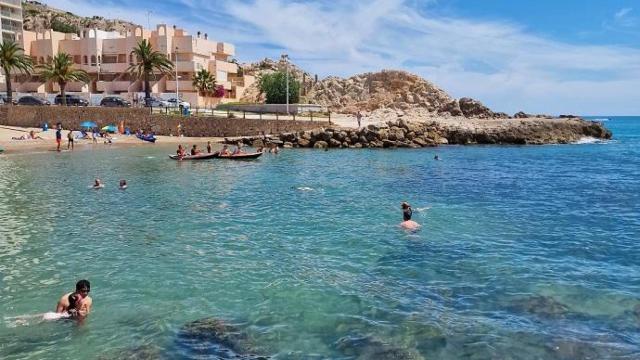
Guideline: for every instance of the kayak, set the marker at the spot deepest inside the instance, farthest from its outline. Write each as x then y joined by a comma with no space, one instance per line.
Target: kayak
194,157
149,138
239,156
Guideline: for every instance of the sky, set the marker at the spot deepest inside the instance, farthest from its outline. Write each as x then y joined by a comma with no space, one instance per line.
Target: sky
542,56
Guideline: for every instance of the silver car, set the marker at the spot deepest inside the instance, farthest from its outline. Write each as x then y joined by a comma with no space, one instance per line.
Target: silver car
157,102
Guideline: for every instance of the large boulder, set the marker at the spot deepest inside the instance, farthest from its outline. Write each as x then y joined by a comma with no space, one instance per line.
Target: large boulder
452,107
521,115
474,108
304,143
320,145
334,143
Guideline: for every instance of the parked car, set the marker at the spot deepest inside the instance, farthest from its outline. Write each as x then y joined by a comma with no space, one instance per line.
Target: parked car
33,100
173,102
72,100
3,100
114,101
157,102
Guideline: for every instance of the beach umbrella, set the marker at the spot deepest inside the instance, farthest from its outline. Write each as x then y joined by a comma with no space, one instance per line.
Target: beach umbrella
110,128
88,124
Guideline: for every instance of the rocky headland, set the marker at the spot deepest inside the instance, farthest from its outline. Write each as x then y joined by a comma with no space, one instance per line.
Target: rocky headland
401,109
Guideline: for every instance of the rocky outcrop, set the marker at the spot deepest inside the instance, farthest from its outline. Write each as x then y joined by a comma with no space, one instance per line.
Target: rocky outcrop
40,17
404,134
474,108
388,89
385,89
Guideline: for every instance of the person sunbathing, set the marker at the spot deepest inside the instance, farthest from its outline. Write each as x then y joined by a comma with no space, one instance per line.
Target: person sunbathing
31,136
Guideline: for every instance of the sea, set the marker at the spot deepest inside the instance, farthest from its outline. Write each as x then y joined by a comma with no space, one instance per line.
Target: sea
525,252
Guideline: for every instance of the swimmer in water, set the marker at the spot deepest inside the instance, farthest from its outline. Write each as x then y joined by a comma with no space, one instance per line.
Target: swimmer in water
77,303
123,184
436,157
97,184
407,212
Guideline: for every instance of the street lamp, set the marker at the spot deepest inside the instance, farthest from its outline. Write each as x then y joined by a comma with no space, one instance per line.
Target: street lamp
285,58
177,93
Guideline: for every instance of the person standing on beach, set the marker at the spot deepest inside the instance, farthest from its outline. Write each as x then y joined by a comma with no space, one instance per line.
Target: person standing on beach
80,297
208,147
70,140
359,118
58,135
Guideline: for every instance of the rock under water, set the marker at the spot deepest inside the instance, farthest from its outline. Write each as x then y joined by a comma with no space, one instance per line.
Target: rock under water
214,337
367,347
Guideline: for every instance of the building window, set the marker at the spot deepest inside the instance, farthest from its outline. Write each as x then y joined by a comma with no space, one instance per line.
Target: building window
93,60
131,59
76,59
86,61
122,58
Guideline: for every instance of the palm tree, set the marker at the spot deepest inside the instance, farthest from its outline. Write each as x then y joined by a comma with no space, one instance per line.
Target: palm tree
62,72
148,61
12,57
204,81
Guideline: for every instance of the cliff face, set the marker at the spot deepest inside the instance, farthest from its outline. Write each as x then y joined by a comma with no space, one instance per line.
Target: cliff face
39,17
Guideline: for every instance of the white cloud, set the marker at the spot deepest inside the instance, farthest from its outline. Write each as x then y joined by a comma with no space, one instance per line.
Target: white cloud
499,63
622,13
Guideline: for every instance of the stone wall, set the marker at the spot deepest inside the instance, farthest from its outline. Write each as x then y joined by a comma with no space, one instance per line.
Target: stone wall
140,118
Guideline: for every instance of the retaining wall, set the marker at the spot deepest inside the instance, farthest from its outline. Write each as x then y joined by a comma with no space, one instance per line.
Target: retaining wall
141,118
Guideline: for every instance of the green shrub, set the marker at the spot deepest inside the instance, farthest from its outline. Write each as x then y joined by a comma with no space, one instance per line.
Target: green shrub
274,86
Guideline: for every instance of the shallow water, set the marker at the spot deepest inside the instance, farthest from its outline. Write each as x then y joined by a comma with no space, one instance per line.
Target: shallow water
526,252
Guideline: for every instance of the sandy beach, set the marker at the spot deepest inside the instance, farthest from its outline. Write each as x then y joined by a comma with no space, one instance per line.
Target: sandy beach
48,141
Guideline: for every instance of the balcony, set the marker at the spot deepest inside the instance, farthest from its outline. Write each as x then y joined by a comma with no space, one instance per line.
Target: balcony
226,48
112,86
226,67
184,85
31,86
186,66
114,67
14,15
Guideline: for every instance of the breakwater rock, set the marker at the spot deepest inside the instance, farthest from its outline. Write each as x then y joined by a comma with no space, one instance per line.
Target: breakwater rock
404,134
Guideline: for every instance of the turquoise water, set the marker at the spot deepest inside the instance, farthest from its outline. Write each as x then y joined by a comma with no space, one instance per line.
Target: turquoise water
526,252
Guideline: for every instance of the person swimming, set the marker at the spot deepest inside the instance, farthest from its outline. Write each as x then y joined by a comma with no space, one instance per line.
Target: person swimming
436,157
97,184
123,184
407,212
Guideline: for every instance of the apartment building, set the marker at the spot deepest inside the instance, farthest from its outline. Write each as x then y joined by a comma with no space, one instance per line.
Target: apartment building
106,56
11,20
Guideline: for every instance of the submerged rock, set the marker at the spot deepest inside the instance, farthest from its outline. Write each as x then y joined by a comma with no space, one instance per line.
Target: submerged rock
545,306
143,352
366,347
211,336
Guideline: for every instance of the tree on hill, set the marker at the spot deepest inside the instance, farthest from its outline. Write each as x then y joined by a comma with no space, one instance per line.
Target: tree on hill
148,61
61,71
274,86
12,57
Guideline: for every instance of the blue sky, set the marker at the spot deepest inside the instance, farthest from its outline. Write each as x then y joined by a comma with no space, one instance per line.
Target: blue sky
543,56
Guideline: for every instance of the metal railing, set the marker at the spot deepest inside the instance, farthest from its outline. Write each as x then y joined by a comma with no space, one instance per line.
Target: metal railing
231,114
